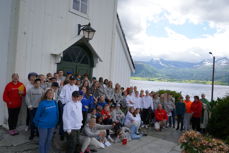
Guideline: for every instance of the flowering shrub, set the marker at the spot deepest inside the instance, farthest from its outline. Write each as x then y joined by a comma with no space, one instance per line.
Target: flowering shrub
194,142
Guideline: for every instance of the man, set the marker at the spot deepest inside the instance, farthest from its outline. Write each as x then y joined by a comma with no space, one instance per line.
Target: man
188,112
31,77
33,98
61,77
67,90
65,97
147,104
13,94
72,120
161,117
130,98
93,132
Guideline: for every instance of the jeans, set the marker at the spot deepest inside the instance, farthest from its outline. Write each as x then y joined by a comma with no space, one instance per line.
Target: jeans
133,130
45,137
13,117
32,125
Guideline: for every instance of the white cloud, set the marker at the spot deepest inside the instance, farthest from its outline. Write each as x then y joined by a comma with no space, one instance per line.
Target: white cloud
135,17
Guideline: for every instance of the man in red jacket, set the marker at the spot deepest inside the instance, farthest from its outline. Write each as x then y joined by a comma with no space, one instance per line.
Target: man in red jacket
13,93
196,109
161,117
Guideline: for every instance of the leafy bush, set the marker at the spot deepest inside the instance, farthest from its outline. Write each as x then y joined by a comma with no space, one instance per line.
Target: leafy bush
194,142
173,93
218,125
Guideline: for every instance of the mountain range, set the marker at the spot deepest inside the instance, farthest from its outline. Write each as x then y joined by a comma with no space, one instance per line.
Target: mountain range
177,70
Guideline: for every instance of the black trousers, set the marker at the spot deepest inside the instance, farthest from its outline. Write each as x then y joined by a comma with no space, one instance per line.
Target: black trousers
145,116
84,118
33,128
61,108
180,120
196,123
13,117
107,122
72,141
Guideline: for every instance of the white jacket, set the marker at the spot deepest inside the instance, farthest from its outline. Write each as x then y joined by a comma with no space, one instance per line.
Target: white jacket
72,116
66,93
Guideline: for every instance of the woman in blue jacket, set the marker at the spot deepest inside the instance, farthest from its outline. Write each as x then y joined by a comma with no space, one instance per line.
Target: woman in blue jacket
46,119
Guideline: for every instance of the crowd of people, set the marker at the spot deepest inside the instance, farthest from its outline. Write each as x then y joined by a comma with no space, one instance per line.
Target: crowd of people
93,112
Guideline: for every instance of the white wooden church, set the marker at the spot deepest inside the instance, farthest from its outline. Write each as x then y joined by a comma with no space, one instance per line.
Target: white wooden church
45,35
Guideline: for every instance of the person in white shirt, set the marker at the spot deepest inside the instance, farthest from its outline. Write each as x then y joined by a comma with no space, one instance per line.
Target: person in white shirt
130,99
67,90
147,104
72,119
64,98
137,100
131,123
137,118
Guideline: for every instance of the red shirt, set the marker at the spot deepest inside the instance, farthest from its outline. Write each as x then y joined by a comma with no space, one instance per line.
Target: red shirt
105,114
11,96
196,109
161,115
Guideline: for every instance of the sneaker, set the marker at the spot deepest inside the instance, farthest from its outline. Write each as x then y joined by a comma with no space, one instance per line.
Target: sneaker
15,132
88,149
107,144
102,145
11,132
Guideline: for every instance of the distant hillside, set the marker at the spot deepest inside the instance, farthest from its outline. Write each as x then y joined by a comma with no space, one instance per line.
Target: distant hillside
164,69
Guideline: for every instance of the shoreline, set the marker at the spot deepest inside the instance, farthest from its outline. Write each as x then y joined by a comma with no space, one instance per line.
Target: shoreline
179,81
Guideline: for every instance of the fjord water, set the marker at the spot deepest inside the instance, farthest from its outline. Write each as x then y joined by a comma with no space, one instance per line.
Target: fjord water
185,88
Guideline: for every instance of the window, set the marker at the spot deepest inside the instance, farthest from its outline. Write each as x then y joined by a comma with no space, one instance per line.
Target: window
76,54
80,5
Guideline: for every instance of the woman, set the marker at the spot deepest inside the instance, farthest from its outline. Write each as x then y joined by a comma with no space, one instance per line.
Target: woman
13,94
109,93
107,119
46,119
196,109
156,100
86,103
169,108
117,94
137,118
130,123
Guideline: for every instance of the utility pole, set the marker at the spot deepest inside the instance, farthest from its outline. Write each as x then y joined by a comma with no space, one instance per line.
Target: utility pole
213,76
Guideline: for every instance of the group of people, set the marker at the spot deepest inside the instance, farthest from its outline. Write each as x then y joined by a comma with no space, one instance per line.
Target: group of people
93,112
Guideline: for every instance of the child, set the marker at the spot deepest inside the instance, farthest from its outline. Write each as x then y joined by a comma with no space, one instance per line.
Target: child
72,119
33,98
46,119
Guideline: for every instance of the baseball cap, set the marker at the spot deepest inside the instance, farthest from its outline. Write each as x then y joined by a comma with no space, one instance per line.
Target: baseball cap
72,78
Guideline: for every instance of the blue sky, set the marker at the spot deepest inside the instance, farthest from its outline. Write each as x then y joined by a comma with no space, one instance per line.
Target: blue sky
190,30
181,30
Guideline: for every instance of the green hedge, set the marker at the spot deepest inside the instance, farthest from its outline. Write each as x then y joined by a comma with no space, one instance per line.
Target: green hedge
218,125
173,93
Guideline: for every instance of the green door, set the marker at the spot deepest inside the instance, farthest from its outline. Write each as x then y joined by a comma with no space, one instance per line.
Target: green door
77,60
